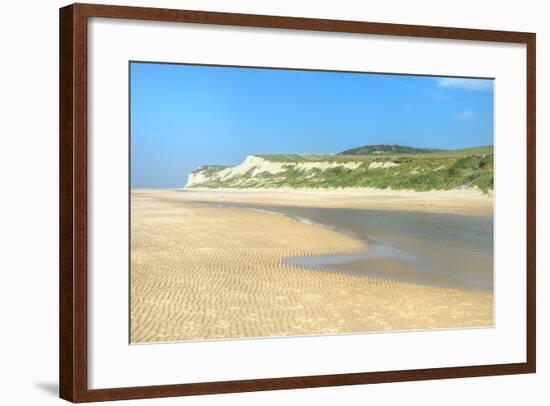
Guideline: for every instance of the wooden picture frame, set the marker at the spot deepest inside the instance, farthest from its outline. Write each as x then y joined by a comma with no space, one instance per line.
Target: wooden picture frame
73,209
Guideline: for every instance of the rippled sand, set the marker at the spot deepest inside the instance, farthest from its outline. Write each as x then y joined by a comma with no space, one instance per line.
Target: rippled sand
203,272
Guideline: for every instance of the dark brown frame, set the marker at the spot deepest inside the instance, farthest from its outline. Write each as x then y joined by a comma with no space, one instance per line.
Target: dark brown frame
73,361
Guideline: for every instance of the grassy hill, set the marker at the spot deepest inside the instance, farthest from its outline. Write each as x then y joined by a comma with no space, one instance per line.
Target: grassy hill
384,149
394,167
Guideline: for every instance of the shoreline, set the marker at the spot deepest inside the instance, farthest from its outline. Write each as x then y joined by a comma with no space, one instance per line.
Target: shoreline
456,201
410,241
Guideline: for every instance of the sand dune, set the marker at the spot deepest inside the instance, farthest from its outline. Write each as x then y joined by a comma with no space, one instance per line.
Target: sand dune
203,272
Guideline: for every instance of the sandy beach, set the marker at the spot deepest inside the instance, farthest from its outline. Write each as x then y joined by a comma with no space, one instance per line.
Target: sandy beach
463,201
200,271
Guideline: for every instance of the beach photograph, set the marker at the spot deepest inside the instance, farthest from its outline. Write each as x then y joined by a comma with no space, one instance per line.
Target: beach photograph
270,202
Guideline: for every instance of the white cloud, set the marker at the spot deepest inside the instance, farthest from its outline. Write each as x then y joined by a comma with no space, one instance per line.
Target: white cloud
434,94
468,84
464,115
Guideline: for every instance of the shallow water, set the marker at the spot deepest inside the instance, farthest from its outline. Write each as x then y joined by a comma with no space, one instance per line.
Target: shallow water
446,250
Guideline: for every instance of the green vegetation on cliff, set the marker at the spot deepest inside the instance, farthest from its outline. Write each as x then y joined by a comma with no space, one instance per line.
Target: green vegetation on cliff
404,168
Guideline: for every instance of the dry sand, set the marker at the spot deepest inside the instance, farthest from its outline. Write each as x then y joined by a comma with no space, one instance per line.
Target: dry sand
203,272
458,201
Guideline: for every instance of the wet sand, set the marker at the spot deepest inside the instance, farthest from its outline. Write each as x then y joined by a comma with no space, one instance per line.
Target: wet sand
440,249
200,271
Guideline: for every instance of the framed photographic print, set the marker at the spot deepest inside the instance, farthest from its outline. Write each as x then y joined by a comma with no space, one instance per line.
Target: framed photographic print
256,202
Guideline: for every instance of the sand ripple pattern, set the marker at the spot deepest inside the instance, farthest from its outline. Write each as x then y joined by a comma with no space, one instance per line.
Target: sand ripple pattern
203,272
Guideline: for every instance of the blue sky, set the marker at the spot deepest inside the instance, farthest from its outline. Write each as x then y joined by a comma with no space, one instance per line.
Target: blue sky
185,116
